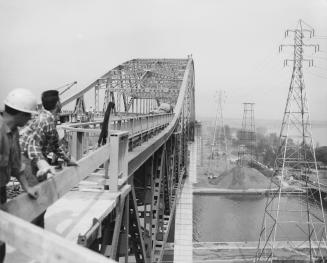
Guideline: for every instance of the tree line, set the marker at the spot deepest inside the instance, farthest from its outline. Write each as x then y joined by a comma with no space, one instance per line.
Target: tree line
266,145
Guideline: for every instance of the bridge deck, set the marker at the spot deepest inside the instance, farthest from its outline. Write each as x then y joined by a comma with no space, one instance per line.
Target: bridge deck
76,212
75,215
142,150
184,215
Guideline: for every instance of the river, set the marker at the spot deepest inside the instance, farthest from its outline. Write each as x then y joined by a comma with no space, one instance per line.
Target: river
236,218
232,218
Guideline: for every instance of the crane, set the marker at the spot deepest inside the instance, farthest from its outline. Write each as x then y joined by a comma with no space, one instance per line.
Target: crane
66,87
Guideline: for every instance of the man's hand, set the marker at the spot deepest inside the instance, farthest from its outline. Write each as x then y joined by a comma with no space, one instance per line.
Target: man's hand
44,170
71,163
32,192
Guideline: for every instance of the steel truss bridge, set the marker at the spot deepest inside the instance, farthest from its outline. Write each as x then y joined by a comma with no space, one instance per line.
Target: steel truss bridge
119,203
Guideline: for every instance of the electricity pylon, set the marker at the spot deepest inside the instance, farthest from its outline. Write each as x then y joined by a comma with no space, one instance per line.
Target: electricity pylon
219,141
294,218
247,136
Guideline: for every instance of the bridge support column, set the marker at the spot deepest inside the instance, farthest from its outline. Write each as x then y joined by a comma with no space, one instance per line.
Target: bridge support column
148,210
118,158
77,145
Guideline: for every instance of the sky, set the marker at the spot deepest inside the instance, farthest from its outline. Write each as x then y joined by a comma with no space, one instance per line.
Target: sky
234,43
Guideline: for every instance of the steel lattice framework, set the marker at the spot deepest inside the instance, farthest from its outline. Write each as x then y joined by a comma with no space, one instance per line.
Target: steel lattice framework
143,166
219,141
136,86
295,217
247,136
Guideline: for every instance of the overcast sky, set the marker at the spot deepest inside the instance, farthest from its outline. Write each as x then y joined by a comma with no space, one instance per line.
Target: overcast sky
46,44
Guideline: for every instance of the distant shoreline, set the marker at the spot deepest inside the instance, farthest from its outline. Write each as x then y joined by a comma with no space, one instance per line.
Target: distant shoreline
319,128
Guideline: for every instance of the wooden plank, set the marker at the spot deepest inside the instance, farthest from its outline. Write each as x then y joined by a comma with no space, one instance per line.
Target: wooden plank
43,245
52,189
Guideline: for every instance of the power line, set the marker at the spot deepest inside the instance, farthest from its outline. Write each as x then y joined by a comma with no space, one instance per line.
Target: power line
295,157
320,67
323,58
303,22
317,75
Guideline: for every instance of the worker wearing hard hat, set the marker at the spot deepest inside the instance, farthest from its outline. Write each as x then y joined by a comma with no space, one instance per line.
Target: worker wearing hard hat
20,104
38,139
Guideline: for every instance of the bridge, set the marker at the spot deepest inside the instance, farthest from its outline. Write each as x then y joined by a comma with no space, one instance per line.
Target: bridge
119,204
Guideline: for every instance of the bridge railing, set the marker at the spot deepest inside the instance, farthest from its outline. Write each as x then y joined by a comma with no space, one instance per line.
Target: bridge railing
32,240
83,137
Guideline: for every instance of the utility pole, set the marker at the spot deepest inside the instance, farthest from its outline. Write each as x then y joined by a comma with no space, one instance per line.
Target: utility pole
291,216
247,136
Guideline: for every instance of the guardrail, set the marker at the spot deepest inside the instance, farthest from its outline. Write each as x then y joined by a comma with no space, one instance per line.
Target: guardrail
82,137
33,240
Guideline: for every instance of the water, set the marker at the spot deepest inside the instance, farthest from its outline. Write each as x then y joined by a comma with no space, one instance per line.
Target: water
227,218
238,218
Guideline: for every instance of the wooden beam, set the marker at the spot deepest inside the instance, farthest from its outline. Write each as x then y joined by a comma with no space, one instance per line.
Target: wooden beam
42,245
52,189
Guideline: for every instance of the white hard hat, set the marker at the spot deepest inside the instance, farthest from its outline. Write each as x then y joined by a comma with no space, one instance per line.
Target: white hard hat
21,100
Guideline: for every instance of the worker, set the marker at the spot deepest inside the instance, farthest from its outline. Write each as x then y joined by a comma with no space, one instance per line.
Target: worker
20,104
104,130
38,139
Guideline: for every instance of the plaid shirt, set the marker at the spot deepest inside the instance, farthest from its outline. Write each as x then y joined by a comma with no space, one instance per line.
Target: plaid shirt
10,156
40,137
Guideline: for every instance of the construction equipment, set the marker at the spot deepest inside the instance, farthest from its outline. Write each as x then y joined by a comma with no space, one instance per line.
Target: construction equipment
66,87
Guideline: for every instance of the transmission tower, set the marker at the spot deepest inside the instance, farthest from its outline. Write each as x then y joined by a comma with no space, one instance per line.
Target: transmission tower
219,141
247,136
294,219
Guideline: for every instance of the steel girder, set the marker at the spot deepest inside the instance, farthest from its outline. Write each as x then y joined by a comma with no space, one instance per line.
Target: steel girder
141,222
137,79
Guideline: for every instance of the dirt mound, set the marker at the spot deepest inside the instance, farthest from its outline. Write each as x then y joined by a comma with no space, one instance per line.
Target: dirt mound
241,178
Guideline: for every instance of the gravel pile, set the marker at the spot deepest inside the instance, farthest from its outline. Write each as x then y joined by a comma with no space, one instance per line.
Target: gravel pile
241,178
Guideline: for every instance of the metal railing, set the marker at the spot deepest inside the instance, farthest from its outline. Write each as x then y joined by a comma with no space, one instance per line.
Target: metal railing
81,138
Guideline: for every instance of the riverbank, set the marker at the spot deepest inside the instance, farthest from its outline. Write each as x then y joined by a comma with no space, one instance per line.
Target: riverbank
215,191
